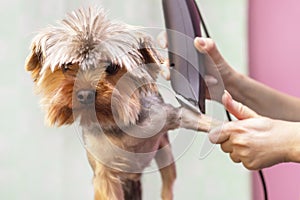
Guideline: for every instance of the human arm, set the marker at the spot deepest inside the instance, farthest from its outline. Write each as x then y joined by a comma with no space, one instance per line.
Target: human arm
261,98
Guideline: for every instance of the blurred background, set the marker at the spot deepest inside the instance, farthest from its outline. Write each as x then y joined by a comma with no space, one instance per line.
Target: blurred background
38,162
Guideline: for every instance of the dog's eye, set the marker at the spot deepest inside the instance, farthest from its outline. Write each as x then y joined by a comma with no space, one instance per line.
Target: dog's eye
66,67
112,68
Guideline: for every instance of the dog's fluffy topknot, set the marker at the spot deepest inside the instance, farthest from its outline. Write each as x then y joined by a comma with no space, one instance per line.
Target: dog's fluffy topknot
85,36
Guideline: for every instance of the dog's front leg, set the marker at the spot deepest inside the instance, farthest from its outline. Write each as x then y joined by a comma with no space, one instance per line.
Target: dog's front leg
107,185
192,120
165,162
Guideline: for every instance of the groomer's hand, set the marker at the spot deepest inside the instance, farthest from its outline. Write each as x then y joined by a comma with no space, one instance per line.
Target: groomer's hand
256,141
219,74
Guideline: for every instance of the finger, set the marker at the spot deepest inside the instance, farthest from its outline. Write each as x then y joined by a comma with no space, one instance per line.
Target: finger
162,39
165,70
219,135
239,110
234,157
208,46
227,147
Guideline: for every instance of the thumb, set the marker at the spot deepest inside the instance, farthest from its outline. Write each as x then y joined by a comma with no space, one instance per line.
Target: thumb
209,47
239,110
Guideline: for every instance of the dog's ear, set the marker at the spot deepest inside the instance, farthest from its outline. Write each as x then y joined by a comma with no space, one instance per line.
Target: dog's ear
34,61
151,56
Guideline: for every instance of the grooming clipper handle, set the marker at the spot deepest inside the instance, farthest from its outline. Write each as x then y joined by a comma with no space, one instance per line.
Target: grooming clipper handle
182,20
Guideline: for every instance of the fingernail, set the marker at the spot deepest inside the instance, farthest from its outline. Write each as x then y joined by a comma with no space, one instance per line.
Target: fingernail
227,93
214,134
210,80
201,41
227,98
162,43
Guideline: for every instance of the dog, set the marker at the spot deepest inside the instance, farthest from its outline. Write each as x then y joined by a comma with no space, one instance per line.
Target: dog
102,73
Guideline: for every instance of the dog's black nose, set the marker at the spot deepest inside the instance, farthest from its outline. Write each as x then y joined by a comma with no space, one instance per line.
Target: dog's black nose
86,96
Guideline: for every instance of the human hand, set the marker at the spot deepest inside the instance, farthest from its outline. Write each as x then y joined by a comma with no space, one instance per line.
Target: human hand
218,73
256,141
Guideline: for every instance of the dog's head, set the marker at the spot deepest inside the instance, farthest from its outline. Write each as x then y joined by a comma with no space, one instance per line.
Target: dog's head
91,68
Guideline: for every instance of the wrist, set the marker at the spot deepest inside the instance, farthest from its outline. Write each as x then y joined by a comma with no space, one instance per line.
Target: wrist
293,146
233,83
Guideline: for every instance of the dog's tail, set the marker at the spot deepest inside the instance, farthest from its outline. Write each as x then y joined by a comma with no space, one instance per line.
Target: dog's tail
132,190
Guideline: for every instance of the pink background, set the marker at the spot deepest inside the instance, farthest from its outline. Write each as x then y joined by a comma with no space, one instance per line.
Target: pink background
274,59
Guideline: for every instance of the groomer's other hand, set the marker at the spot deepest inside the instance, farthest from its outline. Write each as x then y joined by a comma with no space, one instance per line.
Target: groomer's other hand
219,74
165,67
256,141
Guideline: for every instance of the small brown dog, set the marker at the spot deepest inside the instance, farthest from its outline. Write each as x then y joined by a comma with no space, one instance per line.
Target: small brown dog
103,74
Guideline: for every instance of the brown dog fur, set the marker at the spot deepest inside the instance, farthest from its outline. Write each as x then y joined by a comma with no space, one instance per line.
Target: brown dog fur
117,65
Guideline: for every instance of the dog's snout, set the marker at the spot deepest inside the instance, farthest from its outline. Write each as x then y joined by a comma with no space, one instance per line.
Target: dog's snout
86,96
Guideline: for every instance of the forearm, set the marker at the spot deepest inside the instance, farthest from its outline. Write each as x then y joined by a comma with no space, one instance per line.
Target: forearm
263,99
